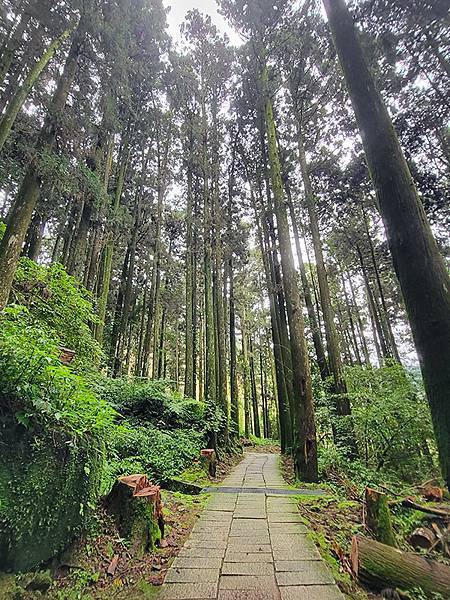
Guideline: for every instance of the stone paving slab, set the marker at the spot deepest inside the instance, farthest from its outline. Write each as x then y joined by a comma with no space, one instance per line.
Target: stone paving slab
248,514
239,541
308,572
283,518
218,516
299,552
247,568
206,544
248,595
214,526
176,575
202,552
244,582
244,557
250,544
188,591
203,562
262,489
311,592
287,528
249,547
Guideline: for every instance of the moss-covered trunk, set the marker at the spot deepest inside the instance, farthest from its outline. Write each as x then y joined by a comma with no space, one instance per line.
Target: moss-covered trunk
305,445
279,365
47,481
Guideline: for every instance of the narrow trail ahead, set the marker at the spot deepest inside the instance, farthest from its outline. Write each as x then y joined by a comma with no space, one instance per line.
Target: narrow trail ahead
250,545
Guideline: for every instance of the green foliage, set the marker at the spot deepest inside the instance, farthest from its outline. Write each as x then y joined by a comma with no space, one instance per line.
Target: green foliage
152,402
158,453
392,422
256,441
36,388
62,305
71,179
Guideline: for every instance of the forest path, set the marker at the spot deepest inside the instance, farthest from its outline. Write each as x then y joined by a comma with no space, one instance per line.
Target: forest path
250,545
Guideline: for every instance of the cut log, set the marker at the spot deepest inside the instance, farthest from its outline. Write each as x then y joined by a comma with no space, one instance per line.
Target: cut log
380,566
136,507
378,517
422,537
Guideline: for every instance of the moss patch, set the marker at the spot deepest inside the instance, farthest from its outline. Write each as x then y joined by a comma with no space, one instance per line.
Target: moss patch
48,481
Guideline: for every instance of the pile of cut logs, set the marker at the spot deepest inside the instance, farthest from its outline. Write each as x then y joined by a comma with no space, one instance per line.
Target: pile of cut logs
379,564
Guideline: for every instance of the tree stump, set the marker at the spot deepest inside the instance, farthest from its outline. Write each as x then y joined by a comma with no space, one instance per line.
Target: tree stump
135,504
378,517
208,460
381,566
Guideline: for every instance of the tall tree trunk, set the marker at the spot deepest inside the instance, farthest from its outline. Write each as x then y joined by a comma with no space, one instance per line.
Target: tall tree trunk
16,102
189,383
262,382
374,310
279,363
419,266
80,241
343,429
21,211
137,370
305,445
210,384
383,310
163,154
33,240
351,321
247,383
115,333
317,339
109,246
373,324
256,423
362,337
217,266
234,412
272,246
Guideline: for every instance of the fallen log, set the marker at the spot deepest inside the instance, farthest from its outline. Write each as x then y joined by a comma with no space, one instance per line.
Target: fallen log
378,517
380,566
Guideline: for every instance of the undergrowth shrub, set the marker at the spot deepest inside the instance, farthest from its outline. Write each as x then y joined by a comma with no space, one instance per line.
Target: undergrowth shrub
36,388
158,453
151,402
53,434
69,431
60,304
392,423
